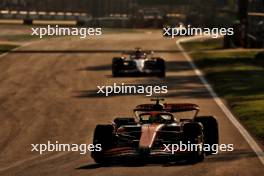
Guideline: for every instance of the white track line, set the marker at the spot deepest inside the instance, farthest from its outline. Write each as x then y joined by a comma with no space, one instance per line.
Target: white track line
24,45
31,158
28,159
20,162
252,143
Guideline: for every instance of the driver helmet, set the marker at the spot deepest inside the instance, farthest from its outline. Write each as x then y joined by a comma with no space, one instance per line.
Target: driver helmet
138,53
156,117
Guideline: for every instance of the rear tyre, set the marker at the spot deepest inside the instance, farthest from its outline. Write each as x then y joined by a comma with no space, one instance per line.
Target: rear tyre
210,130
193,133
104,136
117,64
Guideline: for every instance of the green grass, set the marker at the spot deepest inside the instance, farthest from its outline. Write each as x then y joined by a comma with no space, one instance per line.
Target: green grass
23,37
19,38
204,45
122,30
29,37
6,47
237,78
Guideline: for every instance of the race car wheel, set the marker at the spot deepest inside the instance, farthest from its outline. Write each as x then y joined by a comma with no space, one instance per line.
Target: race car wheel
210,130
117,64
194,135
162,67
103,135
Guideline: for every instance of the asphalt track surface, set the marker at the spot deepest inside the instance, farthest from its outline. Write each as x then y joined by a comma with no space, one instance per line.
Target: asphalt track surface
52,96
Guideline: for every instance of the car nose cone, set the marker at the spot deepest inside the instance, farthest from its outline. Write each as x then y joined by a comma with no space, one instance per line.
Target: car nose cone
140,64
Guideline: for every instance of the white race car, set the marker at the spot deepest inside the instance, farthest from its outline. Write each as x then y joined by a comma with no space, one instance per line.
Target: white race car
138,62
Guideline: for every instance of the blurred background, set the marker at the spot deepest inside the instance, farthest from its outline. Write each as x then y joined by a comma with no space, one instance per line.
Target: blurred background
246,16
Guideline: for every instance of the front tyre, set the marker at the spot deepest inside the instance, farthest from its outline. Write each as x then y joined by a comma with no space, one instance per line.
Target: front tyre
161,67
117,64
194,135
104,136
210,130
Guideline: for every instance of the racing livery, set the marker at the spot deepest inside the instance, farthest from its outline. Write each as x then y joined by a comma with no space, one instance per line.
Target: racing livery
138,62
155,126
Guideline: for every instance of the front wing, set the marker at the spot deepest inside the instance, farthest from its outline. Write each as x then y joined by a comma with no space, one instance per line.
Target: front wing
132,154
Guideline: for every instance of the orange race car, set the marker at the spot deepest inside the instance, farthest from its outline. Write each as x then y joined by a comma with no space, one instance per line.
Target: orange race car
167,132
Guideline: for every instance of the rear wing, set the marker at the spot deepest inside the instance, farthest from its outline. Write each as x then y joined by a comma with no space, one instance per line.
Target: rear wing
130,52
172,108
